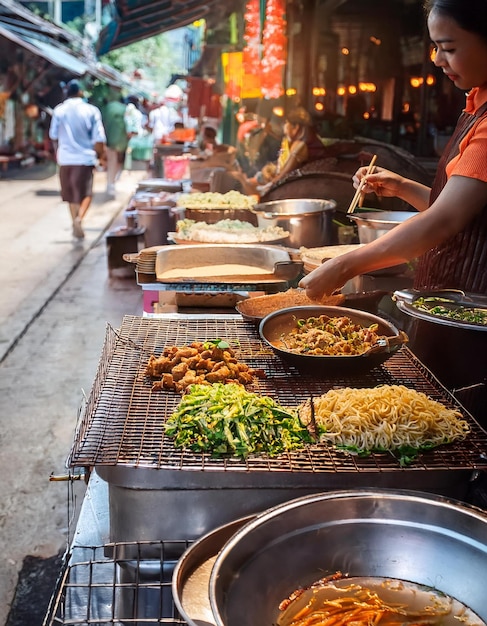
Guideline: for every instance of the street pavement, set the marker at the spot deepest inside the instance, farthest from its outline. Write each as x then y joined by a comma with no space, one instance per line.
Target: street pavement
57,296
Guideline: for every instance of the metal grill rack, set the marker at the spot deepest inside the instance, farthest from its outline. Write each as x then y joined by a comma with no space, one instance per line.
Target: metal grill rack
113,584
123,423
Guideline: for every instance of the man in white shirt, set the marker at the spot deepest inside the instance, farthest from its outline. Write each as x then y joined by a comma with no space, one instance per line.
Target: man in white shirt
163,119
79,140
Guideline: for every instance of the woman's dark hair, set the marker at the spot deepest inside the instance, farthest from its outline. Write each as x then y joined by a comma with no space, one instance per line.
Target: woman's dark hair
300,116
470,15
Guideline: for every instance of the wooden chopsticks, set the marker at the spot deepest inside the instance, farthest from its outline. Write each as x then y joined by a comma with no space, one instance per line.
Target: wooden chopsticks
358,198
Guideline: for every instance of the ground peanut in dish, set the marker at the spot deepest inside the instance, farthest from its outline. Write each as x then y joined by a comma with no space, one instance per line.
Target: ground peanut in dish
261,306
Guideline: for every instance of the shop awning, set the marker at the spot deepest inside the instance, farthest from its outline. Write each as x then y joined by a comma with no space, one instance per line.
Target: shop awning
134,20
55,55
59,55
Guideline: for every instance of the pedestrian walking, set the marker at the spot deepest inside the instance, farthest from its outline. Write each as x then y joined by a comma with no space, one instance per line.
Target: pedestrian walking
79,140
113,118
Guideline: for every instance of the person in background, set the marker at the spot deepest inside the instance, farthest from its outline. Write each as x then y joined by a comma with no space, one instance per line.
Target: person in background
79,140
208,142
300,145
448,236
162,119
134,117
113,118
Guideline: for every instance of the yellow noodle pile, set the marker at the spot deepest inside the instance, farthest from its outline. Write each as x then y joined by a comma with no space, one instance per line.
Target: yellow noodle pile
384,418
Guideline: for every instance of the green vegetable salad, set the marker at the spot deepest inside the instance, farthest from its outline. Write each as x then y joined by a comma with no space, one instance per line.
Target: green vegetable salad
226,419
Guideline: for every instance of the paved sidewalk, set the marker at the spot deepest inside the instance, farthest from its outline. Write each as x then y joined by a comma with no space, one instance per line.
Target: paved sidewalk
57,298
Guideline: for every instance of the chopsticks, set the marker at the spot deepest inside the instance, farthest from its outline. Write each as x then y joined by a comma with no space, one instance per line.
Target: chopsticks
358,198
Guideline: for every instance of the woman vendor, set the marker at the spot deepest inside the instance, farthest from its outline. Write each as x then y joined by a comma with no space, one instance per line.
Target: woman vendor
300,145
449,234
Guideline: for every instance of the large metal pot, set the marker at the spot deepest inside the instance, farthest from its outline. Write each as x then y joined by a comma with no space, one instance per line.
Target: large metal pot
158,222
373,224
454,351
309,222
403,535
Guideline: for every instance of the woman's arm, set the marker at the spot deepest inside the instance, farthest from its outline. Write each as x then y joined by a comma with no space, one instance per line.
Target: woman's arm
298,154
460,201
387,184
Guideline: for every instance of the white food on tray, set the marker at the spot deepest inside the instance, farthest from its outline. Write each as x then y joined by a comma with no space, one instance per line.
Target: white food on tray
227,231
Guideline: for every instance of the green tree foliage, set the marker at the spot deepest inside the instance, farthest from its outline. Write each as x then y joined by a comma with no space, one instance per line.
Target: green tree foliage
154,56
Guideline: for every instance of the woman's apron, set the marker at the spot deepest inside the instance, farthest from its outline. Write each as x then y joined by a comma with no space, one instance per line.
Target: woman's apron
460,262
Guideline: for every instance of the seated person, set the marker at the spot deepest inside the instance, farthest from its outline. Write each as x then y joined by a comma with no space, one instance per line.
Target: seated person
301,144
208,142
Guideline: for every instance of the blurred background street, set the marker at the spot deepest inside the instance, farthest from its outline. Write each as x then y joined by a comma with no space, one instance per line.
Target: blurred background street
57,297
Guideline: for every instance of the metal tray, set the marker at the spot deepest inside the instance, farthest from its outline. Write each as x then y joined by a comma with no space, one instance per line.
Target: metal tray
451,299
274,260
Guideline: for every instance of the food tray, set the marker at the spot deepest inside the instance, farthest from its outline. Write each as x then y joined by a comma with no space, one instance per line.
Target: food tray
192,242
268,262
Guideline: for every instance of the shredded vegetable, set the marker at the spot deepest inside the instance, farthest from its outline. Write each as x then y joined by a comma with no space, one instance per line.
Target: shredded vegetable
226,419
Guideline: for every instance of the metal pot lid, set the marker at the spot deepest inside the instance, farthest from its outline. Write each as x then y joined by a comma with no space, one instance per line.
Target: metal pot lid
449,307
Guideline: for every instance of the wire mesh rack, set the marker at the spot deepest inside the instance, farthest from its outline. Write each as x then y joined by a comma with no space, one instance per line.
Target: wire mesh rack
116,584
124,420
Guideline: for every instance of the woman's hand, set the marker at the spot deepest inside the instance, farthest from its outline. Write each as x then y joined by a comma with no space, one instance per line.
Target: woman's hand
382,182
322,281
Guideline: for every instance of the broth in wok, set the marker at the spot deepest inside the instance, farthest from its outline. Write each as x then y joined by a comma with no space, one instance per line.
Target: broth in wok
371,601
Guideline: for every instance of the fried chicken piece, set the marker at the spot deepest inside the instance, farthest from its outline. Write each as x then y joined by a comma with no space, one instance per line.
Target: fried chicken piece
166,382
180,370
190,378
219,375
157,366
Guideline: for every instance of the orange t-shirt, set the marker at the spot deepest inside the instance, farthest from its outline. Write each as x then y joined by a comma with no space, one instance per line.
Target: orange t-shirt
471,160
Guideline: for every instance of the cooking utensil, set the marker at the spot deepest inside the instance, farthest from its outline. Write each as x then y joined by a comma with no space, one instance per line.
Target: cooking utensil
191,576
452,300
373,224
274,326
122,434
359,195
403,535
308,221
217,257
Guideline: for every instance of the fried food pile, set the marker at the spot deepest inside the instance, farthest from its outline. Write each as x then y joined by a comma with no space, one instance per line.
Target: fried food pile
199,363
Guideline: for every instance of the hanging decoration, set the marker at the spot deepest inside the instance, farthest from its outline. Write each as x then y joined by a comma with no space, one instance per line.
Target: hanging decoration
274,48
252,34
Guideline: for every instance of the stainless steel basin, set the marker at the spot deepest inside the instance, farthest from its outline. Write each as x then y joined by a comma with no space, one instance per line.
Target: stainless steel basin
423,539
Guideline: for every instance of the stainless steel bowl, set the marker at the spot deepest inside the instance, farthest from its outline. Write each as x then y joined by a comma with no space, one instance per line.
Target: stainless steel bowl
309,222
279,323
373,224
405,535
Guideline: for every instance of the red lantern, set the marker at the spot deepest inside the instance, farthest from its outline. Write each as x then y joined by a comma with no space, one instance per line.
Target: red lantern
251,52
274,42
